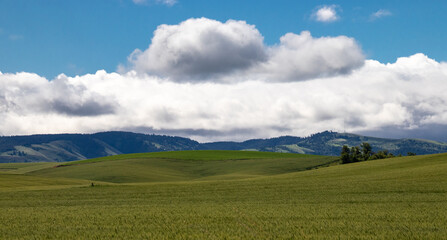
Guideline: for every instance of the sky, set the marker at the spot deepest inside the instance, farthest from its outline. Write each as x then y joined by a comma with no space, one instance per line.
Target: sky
224,70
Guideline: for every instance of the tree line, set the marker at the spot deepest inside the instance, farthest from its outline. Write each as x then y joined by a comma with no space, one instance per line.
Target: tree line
364,153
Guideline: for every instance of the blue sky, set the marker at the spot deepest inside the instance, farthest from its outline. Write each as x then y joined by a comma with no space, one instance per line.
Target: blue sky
50,37
224,70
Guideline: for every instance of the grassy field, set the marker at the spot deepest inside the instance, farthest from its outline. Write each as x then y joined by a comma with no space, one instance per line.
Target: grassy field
398,198
185,166
22,168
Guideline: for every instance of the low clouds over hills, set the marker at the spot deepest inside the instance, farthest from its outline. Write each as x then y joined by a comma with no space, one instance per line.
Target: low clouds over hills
212,80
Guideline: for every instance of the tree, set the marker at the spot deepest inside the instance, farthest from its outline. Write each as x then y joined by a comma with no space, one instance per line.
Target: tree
362,153
345,155
356,155
411,154
366,151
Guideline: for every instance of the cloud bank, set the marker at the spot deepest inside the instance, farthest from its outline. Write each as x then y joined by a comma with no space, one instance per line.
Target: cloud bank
407,94
263,95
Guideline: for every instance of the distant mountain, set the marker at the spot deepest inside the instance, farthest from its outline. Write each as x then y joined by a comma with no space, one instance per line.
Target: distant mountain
330,143
70,147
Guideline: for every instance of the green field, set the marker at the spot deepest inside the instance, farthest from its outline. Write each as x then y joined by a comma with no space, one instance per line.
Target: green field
224,195
185,166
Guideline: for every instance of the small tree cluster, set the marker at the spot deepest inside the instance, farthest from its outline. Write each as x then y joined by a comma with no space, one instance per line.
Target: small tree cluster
382,155
362,153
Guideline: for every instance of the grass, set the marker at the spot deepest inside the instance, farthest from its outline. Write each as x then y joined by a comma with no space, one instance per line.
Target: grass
185,166
14,182
22,168
205,155
398,198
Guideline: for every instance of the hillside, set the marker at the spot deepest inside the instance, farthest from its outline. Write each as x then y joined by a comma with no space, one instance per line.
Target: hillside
184,166
397,198
330,143
71,147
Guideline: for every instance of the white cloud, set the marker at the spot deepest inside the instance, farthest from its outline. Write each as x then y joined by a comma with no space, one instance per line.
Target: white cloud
267,97
166,2
380,14
326,14
301,57
407,94
208,50
200,48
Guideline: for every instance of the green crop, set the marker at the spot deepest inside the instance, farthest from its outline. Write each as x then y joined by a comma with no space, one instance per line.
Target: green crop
398,198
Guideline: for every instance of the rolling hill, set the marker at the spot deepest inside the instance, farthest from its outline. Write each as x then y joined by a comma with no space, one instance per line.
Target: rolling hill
397,198
184,166
71,147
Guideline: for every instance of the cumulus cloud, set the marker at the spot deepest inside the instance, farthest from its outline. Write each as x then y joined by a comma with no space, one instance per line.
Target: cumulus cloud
326,14
208,50
407,95
301,57
200,48
380,14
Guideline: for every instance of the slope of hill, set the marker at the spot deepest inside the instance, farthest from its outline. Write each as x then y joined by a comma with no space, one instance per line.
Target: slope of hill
397,198
70,147
184,166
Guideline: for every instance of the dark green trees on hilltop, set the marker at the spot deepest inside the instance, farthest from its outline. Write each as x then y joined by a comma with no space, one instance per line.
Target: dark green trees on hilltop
362,153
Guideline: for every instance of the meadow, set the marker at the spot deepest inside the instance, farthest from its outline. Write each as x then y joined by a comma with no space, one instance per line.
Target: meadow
223,195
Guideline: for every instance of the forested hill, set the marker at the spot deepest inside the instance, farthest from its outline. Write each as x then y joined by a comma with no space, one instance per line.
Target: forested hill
330,143
69,147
